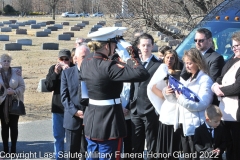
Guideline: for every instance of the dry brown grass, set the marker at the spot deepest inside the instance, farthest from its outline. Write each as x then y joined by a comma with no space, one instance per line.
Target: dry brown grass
35,62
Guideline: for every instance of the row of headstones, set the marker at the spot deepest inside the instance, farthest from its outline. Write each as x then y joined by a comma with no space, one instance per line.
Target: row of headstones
18,45
171,41
95,27
172,29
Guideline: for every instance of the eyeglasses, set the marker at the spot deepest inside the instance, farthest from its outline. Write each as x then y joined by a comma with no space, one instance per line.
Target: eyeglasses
199,40
235,46
64,59
8,61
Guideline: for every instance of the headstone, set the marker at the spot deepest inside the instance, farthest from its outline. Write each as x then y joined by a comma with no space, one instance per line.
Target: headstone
81,24
80,27
52,28
27,42
32,22
26,22
13,26
64,37
52,22
6,29
70,33
86,22
65,23
48,23
166,39
47,30
50,46
93,29
158,33
117,25
155,48
75,29
12,46
13,21
103,23
4,37
41,86
179,24
35,26
174,42
6,22
176,31
41,34
161,37
20,23
1,24
97,26
21,31
42,24
59,26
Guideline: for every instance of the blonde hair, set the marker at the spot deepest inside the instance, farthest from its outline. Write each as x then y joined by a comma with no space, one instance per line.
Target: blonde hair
213,111
196,57
5,56
95,45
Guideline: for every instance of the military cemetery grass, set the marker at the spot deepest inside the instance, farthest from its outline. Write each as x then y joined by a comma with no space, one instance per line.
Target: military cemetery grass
35,62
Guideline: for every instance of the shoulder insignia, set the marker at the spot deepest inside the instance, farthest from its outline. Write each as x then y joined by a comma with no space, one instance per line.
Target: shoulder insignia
120,66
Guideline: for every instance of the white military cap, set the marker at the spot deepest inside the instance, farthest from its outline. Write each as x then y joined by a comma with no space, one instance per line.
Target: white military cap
119,31
106,33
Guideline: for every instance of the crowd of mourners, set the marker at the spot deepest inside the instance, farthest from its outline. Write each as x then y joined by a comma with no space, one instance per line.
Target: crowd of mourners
112,99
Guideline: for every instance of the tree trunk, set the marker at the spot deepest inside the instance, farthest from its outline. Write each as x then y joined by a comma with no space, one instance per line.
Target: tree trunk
53,13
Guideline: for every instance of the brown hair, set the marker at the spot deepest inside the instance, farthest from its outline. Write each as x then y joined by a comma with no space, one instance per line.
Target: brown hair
196,57
95,45
213,111
174,53
164,48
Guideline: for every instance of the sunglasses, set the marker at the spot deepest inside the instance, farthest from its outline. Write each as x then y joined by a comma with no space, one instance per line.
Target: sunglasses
235,46
199,40
64,59
8,61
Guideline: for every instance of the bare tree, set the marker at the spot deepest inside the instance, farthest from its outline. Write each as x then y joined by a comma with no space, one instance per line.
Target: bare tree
52,4
82,5
158,15
23,6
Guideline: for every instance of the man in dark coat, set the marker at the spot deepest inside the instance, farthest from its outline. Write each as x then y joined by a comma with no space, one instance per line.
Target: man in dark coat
53,82
204,42
143,115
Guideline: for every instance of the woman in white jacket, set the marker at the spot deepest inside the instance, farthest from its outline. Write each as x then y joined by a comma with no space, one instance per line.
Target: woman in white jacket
191,113
168,139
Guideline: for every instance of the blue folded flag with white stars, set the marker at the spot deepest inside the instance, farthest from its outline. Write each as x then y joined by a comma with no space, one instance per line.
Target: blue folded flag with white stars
178,86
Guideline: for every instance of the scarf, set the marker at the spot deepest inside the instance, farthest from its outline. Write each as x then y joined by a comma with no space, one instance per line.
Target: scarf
8,99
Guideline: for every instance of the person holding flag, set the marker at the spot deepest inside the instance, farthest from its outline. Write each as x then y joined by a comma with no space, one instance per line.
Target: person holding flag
192,97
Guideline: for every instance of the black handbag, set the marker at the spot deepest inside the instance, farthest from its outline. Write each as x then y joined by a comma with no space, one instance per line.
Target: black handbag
17,108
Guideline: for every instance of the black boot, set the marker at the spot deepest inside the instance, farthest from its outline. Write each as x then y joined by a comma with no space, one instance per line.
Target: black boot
13,149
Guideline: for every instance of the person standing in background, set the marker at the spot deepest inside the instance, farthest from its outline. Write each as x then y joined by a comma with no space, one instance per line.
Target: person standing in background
53,83
143,115
74,104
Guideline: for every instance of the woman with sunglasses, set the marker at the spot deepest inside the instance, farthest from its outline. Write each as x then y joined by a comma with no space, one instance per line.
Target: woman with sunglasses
53,82
11,86
104,122
227,88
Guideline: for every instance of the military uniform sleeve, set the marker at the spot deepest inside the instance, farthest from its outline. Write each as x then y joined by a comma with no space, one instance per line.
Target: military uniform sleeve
133,71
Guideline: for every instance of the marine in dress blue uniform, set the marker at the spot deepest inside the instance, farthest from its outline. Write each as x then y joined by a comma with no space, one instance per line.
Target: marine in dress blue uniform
103,119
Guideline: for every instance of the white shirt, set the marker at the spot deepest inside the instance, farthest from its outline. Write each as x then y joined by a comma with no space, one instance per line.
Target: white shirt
148,60
208,127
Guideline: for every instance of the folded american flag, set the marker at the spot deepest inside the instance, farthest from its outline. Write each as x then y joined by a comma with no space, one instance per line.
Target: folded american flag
178,86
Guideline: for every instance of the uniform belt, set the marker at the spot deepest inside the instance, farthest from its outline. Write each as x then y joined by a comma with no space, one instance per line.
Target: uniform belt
105,102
